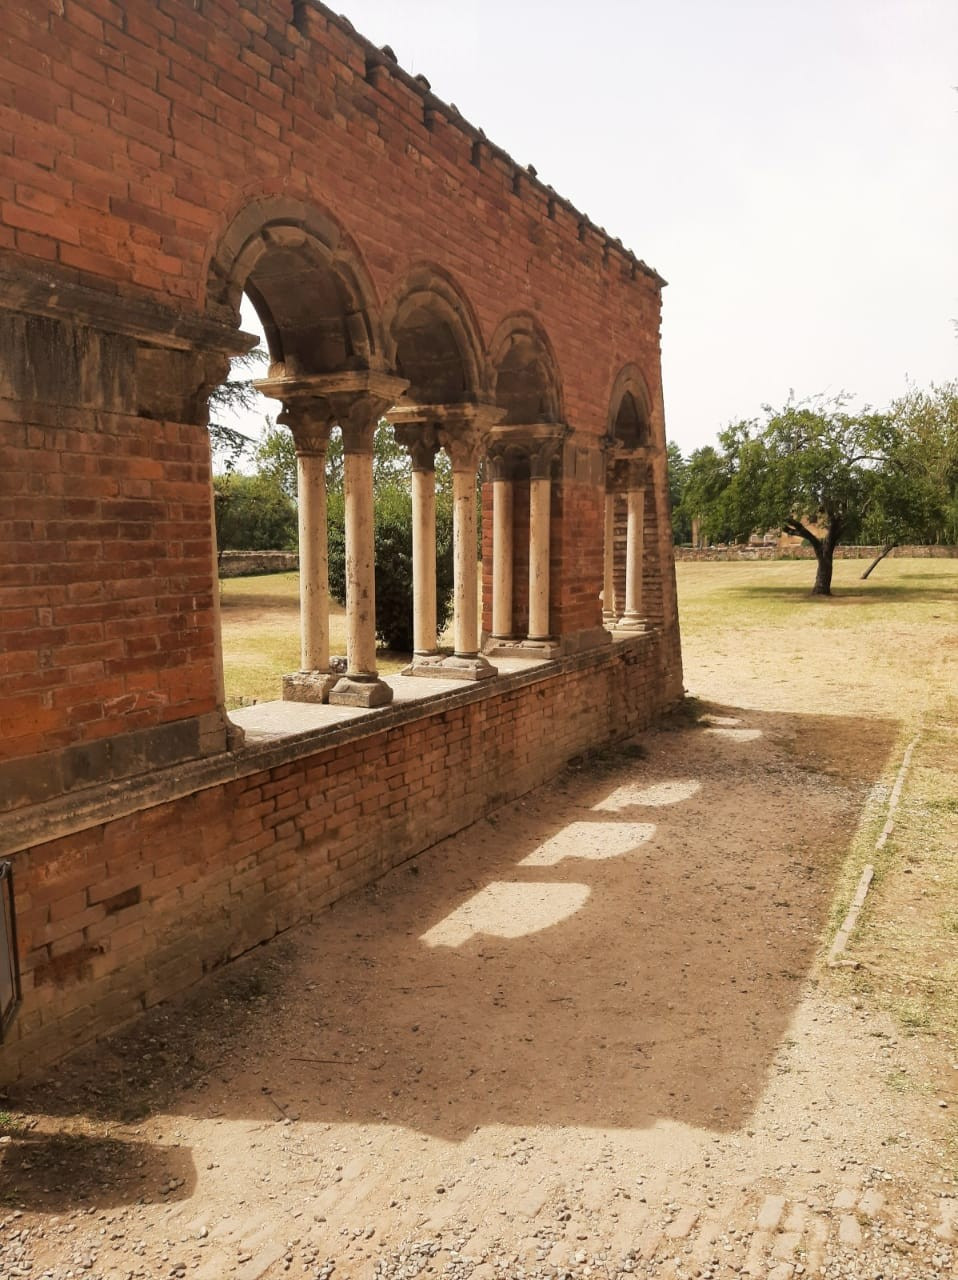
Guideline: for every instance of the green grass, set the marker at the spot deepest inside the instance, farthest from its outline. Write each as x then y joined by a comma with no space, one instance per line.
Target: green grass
260,628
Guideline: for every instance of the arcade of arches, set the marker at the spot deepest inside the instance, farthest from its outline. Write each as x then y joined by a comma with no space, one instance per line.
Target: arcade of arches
402,267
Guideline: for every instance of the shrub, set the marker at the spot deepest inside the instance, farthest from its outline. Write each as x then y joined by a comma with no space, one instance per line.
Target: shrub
393,537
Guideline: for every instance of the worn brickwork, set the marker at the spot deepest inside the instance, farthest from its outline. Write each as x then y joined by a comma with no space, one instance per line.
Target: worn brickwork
158,159
124,914
131,138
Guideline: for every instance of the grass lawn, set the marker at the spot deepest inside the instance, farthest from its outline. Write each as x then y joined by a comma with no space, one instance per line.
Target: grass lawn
260,627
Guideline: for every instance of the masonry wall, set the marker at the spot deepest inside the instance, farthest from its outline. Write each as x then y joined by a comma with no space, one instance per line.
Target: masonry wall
124,913
134,139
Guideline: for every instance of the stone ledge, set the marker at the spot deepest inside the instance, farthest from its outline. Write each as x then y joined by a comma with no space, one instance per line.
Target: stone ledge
96,804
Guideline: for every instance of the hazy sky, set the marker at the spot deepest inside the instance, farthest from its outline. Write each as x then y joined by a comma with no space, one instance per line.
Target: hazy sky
789,166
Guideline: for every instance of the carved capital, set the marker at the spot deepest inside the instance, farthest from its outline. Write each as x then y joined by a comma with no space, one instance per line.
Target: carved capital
422,441
506,460
538,444
310,422
464,444
542,454
624,473
355,400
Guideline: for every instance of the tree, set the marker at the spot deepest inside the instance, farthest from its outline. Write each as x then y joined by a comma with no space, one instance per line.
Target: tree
811,469
236,395
393,556
252,513
706,478
916,495
681,526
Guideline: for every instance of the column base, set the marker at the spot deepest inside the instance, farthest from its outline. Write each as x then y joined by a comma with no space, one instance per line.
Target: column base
630,624
360,691
453,667
498,647
426,664
308,686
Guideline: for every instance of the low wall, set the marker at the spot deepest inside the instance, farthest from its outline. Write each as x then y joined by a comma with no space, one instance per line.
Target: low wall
806,553
150,884
246,564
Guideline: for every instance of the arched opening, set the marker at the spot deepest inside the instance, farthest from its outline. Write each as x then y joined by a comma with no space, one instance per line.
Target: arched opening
632,588
526,377
316,308
308,286
432,339
527,392
630,428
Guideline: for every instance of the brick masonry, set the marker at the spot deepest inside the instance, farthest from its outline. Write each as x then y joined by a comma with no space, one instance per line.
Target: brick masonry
127,912
156,159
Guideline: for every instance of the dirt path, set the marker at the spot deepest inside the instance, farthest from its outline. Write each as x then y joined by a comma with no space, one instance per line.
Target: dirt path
592,1036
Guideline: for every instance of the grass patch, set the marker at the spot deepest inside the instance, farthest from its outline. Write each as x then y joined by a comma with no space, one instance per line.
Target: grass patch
261,637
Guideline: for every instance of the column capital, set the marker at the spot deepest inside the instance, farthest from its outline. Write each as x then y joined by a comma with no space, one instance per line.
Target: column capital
422,441
539,442
461,429
625,472
354,400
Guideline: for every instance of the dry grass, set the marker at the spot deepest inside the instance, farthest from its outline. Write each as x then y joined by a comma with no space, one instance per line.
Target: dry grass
884,653
260,627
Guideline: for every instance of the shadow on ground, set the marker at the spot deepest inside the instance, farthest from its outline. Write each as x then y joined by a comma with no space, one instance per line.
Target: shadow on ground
625,946
61,1172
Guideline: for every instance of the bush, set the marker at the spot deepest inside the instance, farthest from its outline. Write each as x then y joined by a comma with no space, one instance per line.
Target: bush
253,514
393,535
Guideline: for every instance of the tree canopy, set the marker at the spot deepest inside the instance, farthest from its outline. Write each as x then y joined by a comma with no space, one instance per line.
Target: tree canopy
827,475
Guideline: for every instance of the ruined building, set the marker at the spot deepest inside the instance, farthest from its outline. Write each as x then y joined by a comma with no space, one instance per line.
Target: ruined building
159,160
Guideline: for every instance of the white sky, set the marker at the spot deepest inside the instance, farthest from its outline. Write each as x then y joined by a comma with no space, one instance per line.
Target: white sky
789,166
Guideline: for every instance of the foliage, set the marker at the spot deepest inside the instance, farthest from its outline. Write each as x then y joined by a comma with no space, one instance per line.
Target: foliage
235,396
275,456
393,540
917,494
810,468
705,479
252,513
681,524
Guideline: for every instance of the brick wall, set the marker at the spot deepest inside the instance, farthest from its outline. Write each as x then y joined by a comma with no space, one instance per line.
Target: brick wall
124,913
139,144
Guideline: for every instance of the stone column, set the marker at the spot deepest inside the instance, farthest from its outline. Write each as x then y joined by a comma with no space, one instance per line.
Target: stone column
632,619
609,614
464,443
503,548
361,685
540,516
423,444
309,416
310,424
355,399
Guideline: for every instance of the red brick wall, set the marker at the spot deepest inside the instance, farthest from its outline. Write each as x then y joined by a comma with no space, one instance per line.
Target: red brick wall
117,917
131,137
106,604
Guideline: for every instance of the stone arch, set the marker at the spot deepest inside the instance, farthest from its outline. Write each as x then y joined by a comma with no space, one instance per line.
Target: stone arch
525,373
307,282
432,338
630,409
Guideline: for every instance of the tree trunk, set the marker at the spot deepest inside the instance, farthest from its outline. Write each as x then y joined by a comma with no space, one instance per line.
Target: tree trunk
823,575
879,558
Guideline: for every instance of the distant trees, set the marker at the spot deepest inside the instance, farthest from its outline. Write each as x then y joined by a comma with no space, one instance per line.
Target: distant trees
826,475
252,513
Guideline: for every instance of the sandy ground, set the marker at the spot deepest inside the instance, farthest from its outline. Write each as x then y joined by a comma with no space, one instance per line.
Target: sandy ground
590,1036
